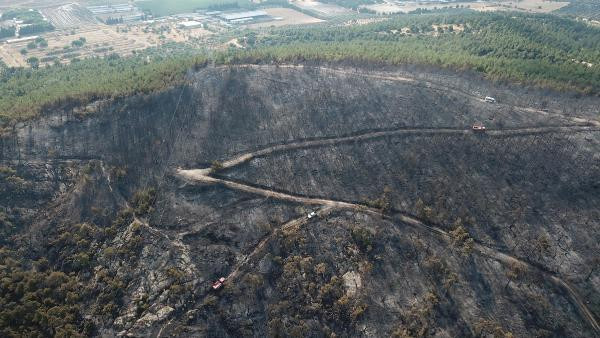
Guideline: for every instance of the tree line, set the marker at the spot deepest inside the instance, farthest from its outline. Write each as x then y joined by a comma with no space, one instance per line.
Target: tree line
540,50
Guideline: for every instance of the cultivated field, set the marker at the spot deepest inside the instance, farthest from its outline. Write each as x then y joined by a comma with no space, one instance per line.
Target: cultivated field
69,15
541,6
101,40
11,57
288,17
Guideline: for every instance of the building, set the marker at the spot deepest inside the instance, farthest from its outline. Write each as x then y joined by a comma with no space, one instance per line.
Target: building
241,17
190,24
29,38
117,13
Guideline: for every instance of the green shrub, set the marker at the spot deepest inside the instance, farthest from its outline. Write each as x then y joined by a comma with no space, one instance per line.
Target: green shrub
363,238
216,166
143,201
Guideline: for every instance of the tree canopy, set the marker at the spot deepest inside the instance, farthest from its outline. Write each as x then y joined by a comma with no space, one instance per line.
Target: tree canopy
541,50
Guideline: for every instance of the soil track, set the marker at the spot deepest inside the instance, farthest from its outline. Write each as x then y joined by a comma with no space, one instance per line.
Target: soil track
258,248
204,176
369,135
433,86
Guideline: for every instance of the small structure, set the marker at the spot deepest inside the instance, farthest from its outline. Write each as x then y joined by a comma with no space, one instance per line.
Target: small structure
218,283
312,214
190,24
17,40
478,127
489,99
240,17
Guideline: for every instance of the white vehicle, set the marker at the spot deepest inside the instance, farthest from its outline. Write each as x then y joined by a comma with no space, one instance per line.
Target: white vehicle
489,99
218,283
478,127
312,214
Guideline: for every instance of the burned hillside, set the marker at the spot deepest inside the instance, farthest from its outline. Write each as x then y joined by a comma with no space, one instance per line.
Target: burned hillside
333,200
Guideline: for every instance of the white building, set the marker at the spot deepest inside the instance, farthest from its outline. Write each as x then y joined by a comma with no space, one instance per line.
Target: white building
243,16
190,24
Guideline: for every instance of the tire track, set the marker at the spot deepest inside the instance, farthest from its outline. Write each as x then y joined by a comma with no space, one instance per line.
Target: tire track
302,144
424,84
204,176
261,245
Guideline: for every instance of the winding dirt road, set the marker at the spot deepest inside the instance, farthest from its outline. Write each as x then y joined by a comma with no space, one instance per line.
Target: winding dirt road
426,84
301,144
204,176
261,245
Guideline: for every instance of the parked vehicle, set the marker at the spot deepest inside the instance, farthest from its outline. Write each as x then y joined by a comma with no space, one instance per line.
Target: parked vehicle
489,99
478,127
218,283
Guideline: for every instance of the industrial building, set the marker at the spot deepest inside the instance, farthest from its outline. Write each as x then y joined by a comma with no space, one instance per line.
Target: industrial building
25,39
242,17
121,12
190,24
108,9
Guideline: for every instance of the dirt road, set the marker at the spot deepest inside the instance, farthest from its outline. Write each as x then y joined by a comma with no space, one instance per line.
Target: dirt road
203,175
430,85
260,246
369,135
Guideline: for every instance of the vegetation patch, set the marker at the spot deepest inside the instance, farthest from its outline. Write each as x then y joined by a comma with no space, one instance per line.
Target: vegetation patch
143,201
33,22
532,49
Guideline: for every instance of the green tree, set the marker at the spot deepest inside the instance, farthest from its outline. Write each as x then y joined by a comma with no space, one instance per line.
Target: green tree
34,62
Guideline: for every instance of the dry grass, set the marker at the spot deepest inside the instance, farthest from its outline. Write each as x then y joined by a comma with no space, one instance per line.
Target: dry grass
100,40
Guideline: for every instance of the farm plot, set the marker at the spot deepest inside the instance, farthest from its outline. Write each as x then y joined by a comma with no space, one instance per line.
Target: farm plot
11,57
99,40
69,15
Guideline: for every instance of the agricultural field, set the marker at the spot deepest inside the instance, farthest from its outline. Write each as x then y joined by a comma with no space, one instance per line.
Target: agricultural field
69,15
582,8
100,40
288,17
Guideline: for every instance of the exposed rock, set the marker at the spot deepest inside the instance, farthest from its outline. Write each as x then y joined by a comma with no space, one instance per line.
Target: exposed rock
352,282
